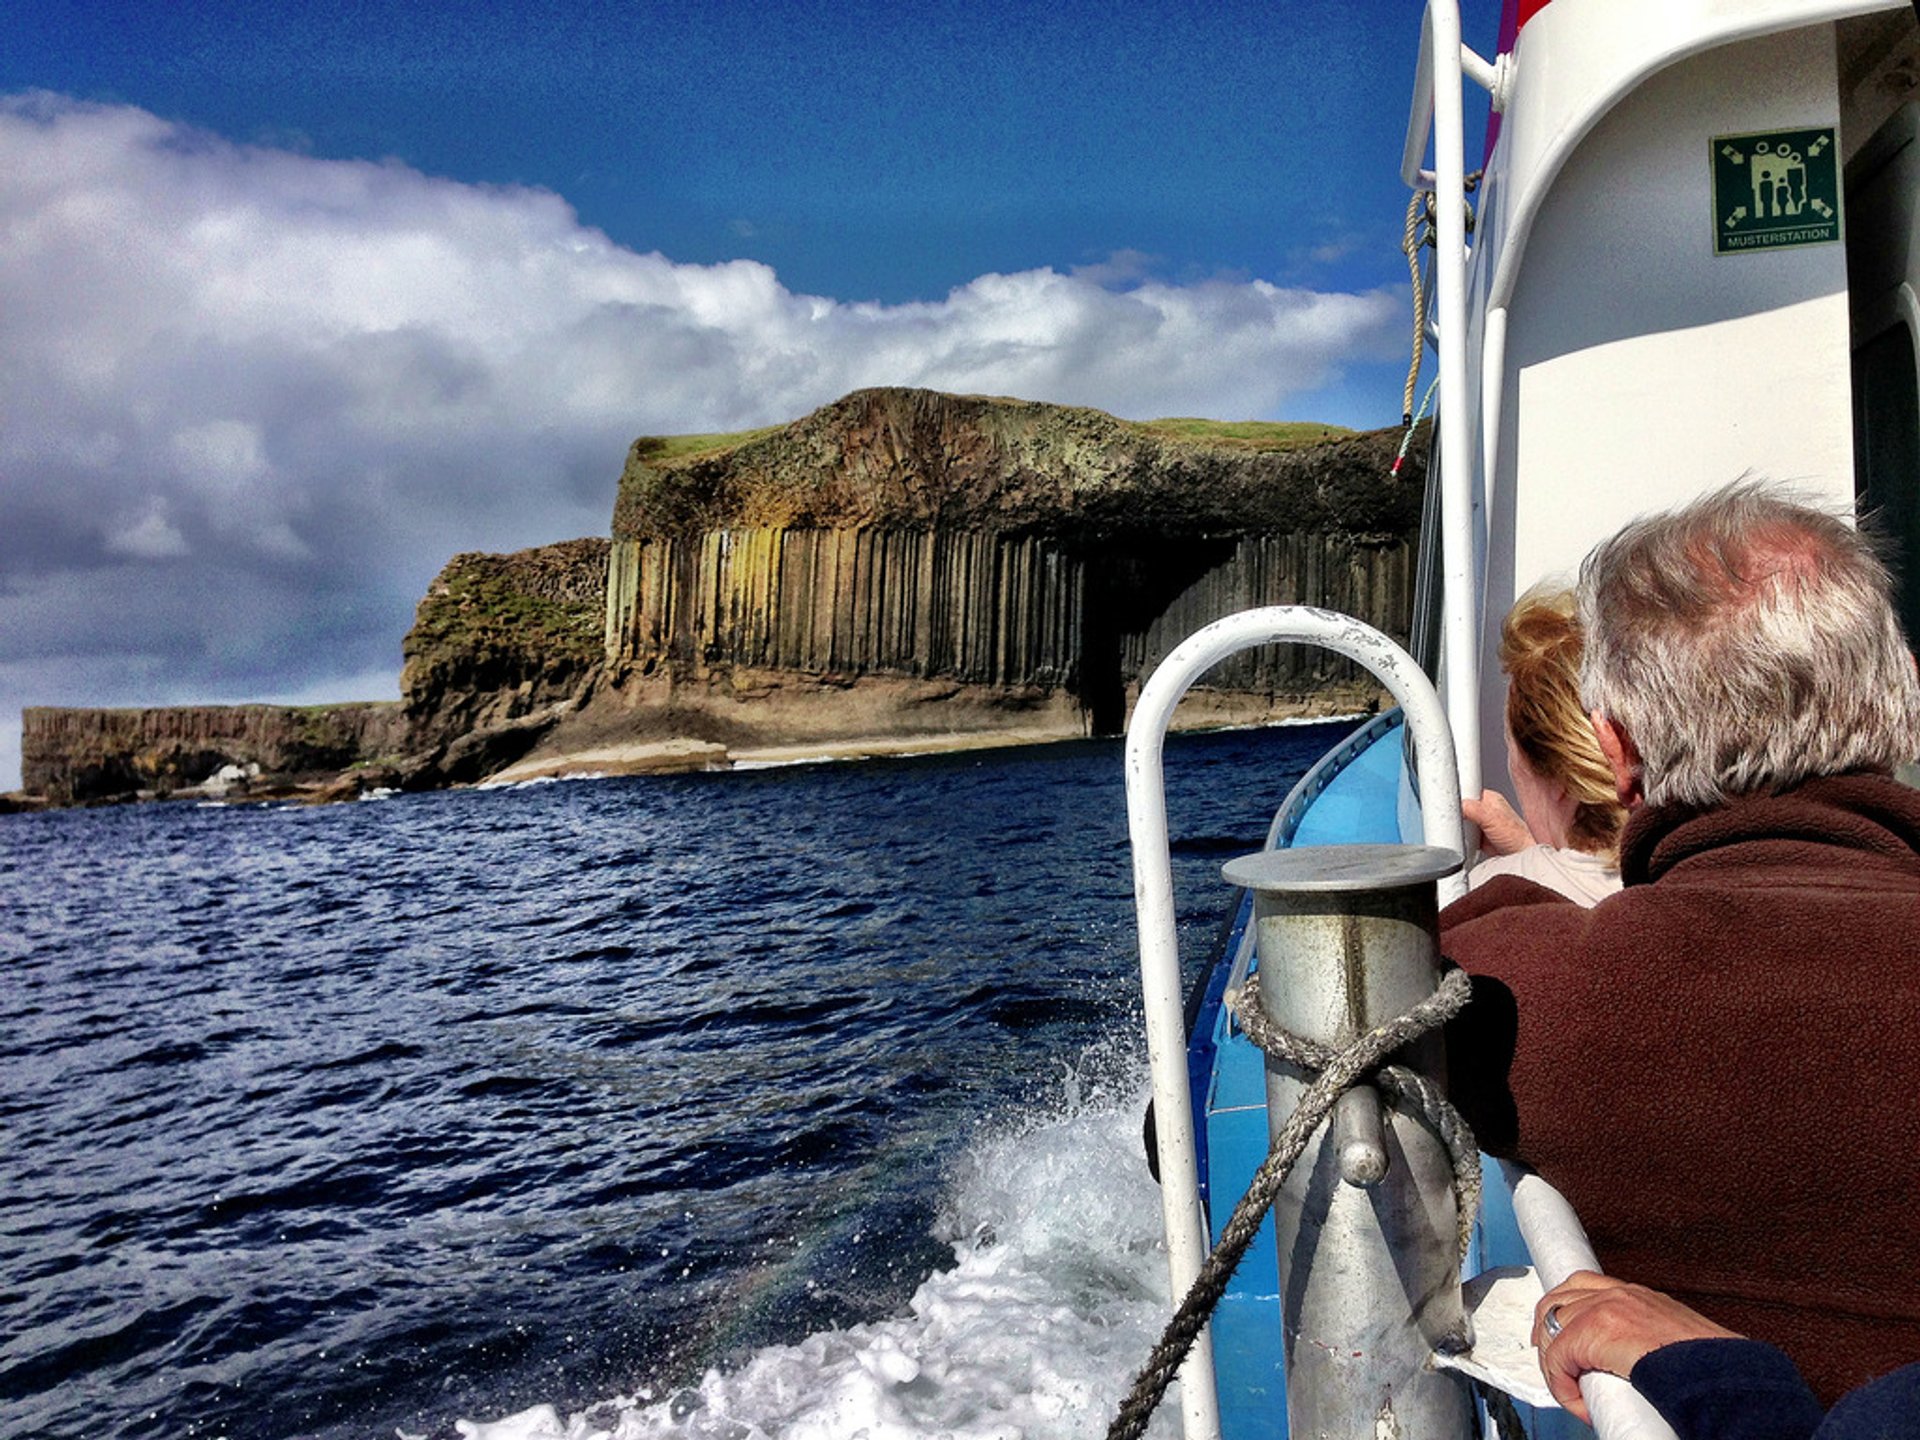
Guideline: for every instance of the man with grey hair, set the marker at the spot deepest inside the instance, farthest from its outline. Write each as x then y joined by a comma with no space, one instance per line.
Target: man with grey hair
1718,1066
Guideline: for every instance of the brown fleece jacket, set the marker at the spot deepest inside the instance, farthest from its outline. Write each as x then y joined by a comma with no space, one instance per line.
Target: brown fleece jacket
1720,1066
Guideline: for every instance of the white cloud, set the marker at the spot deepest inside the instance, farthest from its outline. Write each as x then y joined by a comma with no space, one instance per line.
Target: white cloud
250,401
150,536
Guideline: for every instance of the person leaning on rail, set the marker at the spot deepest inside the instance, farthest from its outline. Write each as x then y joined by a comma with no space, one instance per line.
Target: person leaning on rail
1717,1066
1707,1382
1566,833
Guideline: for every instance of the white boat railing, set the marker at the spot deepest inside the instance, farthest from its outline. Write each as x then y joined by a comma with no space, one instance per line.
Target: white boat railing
1439,76
1439,788
1558,1245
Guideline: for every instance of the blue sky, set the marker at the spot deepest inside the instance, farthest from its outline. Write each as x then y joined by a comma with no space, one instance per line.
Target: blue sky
297,303
865,151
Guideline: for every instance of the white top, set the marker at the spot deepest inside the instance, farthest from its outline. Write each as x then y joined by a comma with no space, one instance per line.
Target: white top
1584,879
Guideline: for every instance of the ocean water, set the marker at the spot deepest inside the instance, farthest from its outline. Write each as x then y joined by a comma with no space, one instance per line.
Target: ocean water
801,1102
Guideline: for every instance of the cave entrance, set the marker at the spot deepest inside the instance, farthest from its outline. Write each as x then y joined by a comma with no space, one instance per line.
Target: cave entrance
1127,584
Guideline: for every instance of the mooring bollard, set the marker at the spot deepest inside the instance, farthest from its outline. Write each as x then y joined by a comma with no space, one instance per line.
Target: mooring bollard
1369,1265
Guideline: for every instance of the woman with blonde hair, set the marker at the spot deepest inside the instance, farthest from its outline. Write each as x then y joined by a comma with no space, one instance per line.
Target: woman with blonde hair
1566,834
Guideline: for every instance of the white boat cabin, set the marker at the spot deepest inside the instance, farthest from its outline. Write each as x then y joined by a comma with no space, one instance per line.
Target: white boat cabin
1691,258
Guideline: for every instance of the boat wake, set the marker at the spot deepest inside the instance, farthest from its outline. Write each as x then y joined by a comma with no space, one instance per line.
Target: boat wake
1057,1292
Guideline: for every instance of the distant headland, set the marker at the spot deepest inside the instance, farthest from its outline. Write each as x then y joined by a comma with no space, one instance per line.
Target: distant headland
899,570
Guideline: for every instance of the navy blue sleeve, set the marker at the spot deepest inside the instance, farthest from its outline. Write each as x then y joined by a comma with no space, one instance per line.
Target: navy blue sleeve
1885,1409
1727,1390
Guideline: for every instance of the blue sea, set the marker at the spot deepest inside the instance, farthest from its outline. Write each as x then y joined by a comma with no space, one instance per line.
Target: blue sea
799,1102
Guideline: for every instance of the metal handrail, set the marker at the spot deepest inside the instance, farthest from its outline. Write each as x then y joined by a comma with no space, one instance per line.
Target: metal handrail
1153,898
1558,1245
1438,81
1489,75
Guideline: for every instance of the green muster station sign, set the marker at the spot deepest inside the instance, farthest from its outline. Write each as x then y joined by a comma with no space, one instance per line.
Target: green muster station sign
1779,187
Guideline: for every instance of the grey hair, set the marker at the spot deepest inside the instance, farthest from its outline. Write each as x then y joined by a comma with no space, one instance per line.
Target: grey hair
1745,643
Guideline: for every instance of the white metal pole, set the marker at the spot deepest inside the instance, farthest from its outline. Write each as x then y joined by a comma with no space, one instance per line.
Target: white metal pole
1461,627
1559,1246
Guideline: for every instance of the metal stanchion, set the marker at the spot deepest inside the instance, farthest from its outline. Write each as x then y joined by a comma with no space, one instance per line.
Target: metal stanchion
1369,1265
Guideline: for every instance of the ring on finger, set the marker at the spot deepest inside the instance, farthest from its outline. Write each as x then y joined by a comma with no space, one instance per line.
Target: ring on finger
1550,1322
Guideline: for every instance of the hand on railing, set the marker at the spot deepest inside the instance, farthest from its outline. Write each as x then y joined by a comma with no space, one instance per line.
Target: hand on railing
1594,1322
1502,830
1561,1250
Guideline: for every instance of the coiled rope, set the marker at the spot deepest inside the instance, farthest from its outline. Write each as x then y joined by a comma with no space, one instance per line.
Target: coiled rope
1420,233
1339,1070
1416,236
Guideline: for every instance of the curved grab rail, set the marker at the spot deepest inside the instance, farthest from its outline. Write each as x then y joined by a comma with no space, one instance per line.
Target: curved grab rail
1153,897
1559,1246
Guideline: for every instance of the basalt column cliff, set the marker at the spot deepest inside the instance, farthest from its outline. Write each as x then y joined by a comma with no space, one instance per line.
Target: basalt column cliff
898,566
935,559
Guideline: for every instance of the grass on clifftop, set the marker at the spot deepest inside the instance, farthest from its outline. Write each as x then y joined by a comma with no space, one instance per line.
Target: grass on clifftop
1243,434
686,447
1225,434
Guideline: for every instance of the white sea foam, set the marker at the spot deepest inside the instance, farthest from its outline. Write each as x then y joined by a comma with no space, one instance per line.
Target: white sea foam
534,782
1057,1294
530,783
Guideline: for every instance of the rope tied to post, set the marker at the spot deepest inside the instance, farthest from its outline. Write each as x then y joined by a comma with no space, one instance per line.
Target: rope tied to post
1339,1069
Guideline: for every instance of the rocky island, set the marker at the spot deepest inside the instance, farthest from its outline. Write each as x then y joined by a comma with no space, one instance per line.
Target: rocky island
899,569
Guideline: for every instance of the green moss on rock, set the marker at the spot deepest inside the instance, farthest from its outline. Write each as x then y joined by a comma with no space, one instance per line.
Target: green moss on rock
500,636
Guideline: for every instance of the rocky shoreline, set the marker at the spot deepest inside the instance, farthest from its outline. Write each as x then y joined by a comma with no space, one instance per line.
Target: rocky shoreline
678,756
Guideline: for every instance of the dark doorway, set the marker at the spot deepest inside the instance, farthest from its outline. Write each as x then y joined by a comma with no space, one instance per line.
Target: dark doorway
1128,584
